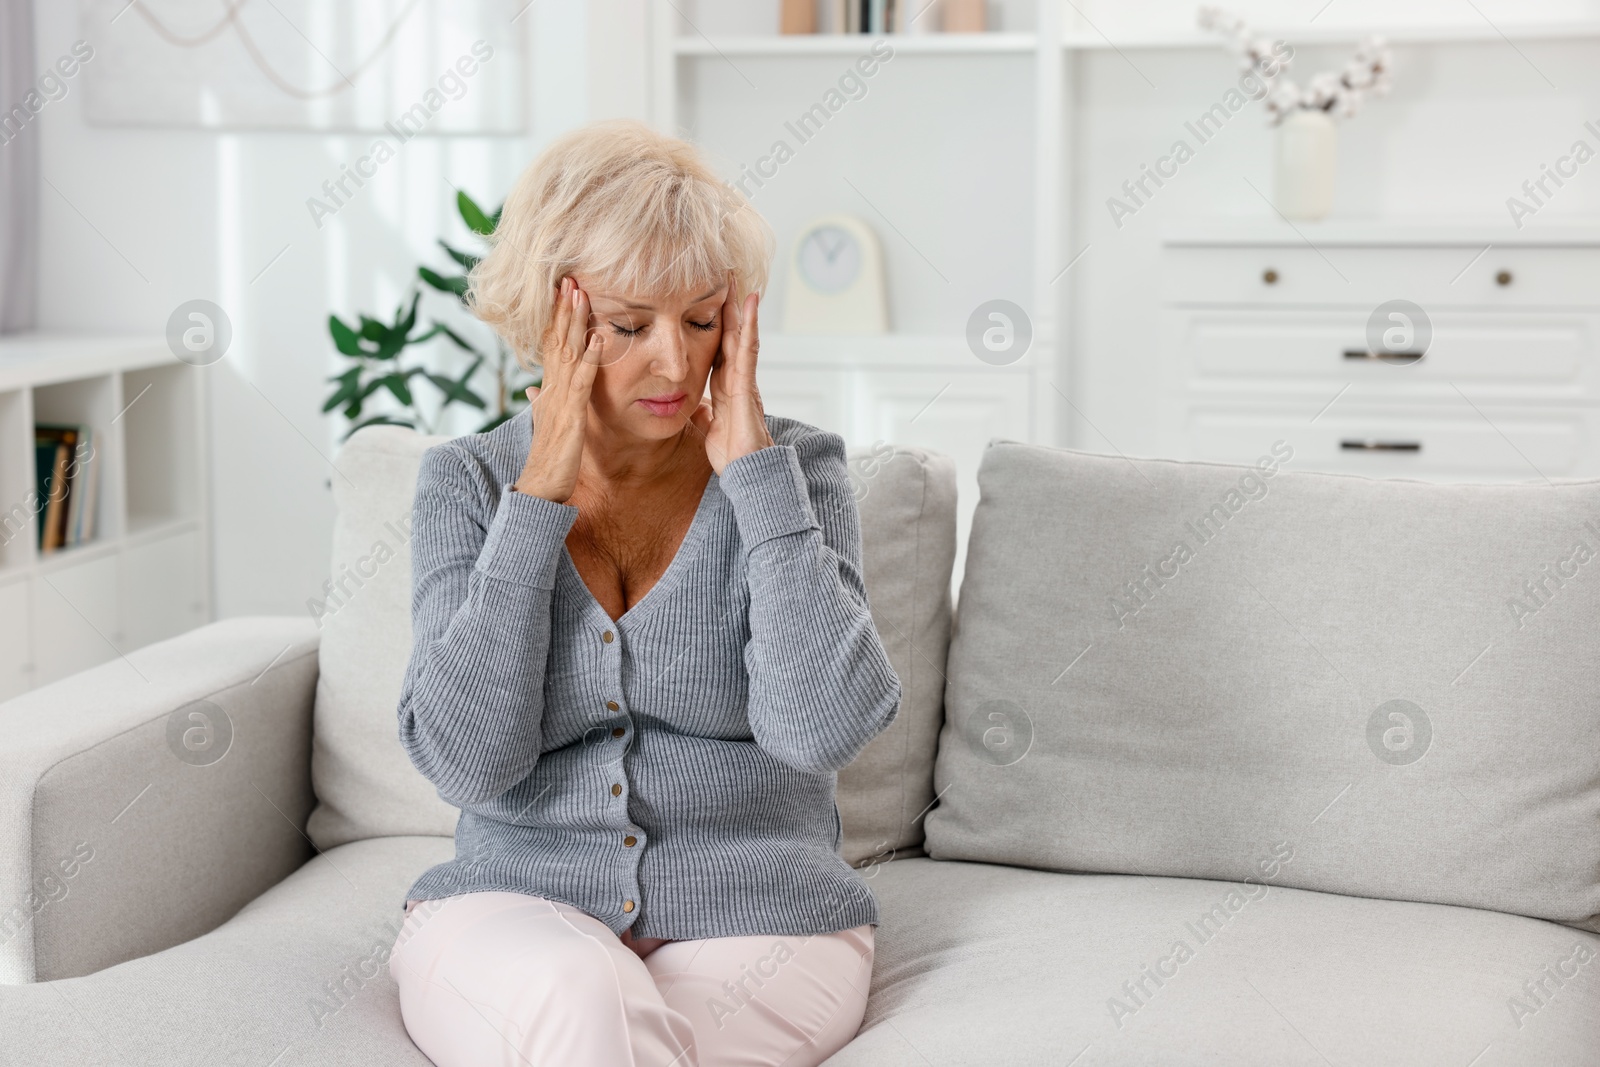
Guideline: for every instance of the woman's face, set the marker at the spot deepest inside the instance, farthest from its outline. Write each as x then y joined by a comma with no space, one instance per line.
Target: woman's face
657,356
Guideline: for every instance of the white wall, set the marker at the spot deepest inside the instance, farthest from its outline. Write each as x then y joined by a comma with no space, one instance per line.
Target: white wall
199,215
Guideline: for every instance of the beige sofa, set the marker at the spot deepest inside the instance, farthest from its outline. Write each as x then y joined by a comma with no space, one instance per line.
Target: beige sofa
203,847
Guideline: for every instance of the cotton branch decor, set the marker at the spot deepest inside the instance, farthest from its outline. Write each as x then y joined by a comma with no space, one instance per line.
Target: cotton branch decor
1307,137
1338,92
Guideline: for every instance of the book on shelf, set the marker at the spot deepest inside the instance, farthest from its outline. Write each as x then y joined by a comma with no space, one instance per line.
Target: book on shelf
85,493
67,473
51,490
869,16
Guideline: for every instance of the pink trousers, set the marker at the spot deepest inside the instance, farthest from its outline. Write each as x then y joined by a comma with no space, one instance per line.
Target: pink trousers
517,980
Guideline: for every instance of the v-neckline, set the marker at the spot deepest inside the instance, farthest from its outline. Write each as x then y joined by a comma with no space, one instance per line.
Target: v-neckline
691,539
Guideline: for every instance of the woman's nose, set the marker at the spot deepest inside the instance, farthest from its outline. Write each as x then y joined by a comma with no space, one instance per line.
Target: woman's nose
671,358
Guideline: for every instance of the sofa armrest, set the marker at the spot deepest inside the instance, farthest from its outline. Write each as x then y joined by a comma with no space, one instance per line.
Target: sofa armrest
144,802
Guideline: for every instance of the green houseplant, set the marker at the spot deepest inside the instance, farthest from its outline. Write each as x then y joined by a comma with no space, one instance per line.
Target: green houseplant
378,352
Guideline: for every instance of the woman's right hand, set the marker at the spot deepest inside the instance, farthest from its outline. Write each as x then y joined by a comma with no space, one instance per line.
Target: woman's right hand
559,407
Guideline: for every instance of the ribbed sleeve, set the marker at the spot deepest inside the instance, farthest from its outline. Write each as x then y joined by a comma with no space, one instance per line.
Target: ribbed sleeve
821,685
473,696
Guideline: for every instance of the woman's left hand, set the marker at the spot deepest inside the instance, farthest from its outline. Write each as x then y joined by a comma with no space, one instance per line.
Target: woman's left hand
731,419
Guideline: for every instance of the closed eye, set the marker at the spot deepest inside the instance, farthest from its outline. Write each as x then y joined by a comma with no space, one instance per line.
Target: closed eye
704,327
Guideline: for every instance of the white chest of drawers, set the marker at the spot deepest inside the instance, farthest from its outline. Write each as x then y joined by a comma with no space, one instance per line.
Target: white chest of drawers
1264,337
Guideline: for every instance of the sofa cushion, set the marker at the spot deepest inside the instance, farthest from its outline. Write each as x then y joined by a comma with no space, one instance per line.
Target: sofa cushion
1169,668
977,963
907,501
300,973
365,785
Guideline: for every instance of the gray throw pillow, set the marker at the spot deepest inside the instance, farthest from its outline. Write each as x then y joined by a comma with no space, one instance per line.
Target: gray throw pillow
1378,688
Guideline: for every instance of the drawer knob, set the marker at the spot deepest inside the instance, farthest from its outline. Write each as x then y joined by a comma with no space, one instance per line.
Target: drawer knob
1269,276
1380,446
1503,278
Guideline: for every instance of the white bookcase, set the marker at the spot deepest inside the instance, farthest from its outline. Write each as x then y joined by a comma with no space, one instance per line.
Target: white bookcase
145,574
920,384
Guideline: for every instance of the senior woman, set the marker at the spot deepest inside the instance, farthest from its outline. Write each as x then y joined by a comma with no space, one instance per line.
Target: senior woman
642,653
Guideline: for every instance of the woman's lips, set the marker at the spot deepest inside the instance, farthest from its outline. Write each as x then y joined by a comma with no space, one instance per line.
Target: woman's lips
664,407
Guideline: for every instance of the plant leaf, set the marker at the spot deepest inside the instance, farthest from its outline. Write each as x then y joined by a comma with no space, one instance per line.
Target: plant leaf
344,338
390,346
403,325
372,329
455,284
378,420
466,261
473,215
461,343
458,390
396,384
349,384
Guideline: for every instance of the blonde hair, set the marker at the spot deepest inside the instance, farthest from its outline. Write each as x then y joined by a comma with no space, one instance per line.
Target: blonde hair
637,211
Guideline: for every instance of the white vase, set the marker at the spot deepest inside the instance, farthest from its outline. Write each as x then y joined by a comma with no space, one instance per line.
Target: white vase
1308,144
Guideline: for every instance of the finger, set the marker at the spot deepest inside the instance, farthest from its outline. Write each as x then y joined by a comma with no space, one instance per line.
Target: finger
594,348
581,384
727,349
749,341
560,322
578,324
718,382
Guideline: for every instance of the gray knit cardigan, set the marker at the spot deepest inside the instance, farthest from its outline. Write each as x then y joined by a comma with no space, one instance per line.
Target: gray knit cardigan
673,770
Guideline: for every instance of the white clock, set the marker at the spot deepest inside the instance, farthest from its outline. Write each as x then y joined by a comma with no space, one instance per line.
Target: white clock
836,279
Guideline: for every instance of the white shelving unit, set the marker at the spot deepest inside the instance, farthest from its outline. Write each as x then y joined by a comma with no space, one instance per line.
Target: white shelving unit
145,574
1311,35
841,44
720,74
914,386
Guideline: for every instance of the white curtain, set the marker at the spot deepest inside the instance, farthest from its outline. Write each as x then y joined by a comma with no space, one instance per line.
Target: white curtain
19,168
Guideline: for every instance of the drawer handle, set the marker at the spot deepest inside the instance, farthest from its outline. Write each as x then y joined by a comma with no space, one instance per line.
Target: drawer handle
1503,278
1387,357
1380,446
1269,276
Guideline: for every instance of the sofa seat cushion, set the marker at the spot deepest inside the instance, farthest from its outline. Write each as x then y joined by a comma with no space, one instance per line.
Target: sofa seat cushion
979,963
300,972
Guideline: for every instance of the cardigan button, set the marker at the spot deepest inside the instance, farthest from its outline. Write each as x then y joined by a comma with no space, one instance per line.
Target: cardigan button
613,705
616,790
627,905
630,841
607,637
617,731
